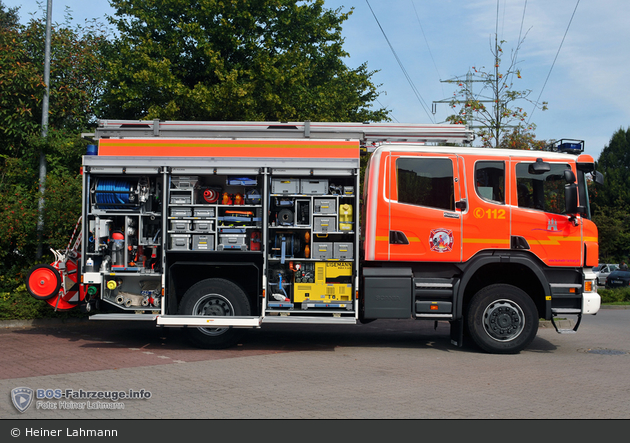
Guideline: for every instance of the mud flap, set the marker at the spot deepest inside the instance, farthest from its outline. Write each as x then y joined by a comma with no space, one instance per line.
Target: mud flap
457,332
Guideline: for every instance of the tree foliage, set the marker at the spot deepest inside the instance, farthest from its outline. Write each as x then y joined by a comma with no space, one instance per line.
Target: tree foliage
75,83
275,60
495,110
520,138
9,18
610,202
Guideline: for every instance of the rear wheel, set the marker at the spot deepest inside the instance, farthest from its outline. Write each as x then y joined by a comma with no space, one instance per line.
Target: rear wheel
219,298
502,319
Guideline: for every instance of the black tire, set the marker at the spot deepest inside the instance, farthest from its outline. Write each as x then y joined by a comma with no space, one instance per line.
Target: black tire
216,297
43,282
502,319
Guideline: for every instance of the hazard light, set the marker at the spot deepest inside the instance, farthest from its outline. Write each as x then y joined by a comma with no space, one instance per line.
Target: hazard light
568,146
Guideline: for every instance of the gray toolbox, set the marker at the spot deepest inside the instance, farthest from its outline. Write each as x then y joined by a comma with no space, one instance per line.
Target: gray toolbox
180,225
181,212
232,241
325,224
325,206
343,251
285,186
202,225
181,198
180,242
311,186
203,242
204,212
322,251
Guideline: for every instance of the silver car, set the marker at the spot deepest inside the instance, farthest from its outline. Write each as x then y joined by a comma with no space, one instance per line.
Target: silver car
602,271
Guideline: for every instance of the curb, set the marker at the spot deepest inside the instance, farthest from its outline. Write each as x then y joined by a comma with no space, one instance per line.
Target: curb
41,322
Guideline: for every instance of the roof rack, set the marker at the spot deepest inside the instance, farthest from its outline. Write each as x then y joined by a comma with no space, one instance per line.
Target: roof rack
367,133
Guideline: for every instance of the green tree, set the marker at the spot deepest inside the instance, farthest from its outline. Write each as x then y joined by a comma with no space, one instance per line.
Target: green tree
504,112
614,163
234,60
75,83
610,202
520,138
8,18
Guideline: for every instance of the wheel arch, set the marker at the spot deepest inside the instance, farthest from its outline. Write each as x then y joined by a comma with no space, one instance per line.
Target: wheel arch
520,271
182,275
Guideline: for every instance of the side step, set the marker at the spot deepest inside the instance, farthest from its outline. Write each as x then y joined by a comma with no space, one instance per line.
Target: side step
566,311
433,297
135,317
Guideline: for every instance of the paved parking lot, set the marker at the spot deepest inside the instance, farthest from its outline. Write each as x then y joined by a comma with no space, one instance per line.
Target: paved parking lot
385,369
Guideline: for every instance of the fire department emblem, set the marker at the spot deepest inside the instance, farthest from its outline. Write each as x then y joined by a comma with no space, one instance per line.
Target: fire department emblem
441,240
22,398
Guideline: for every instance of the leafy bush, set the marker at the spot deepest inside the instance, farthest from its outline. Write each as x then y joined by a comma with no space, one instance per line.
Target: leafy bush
19,305
617,295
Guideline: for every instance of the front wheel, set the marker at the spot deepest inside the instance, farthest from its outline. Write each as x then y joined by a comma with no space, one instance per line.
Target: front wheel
502,319
215,297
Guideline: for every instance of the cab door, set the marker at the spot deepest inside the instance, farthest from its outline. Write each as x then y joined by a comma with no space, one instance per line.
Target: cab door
424,208
539,222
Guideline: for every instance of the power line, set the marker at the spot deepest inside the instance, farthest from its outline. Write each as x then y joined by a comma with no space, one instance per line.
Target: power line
554,62
413,87
426,41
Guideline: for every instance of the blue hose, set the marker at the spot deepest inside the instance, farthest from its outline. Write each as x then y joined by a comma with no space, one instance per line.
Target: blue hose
113,194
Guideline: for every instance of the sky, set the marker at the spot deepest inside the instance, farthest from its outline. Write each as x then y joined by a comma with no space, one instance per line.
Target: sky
573,56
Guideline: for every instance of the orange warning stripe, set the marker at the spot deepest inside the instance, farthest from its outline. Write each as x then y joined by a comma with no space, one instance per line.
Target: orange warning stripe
229,148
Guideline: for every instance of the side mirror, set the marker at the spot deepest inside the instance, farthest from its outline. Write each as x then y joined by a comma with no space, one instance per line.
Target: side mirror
598,177
571,199
540,167
569,176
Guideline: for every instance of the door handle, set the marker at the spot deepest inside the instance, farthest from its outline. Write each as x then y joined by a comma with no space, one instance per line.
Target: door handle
450,215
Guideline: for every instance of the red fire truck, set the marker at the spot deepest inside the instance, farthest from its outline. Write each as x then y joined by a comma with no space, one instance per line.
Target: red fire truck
217,227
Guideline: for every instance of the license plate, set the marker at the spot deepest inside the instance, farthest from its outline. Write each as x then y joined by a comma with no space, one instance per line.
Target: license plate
617,281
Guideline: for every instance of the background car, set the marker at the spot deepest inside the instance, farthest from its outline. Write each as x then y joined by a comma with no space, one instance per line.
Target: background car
602,271
618,279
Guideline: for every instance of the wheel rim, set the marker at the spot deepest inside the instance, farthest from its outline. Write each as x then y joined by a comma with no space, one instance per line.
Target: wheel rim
503,320
43,282
214,305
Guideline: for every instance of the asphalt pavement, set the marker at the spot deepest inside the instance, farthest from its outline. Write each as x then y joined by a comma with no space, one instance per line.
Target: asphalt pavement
387,369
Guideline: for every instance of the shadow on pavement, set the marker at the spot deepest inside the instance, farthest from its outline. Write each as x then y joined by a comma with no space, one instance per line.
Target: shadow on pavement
268,339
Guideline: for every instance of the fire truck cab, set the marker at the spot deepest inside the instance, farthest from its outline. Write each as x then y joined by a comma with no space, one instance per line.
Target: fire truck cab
490,240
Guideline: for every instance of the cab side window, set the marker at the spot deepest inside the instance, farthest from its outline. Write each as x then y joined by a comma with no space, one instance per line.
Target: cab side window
544,192
490,181
426,182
